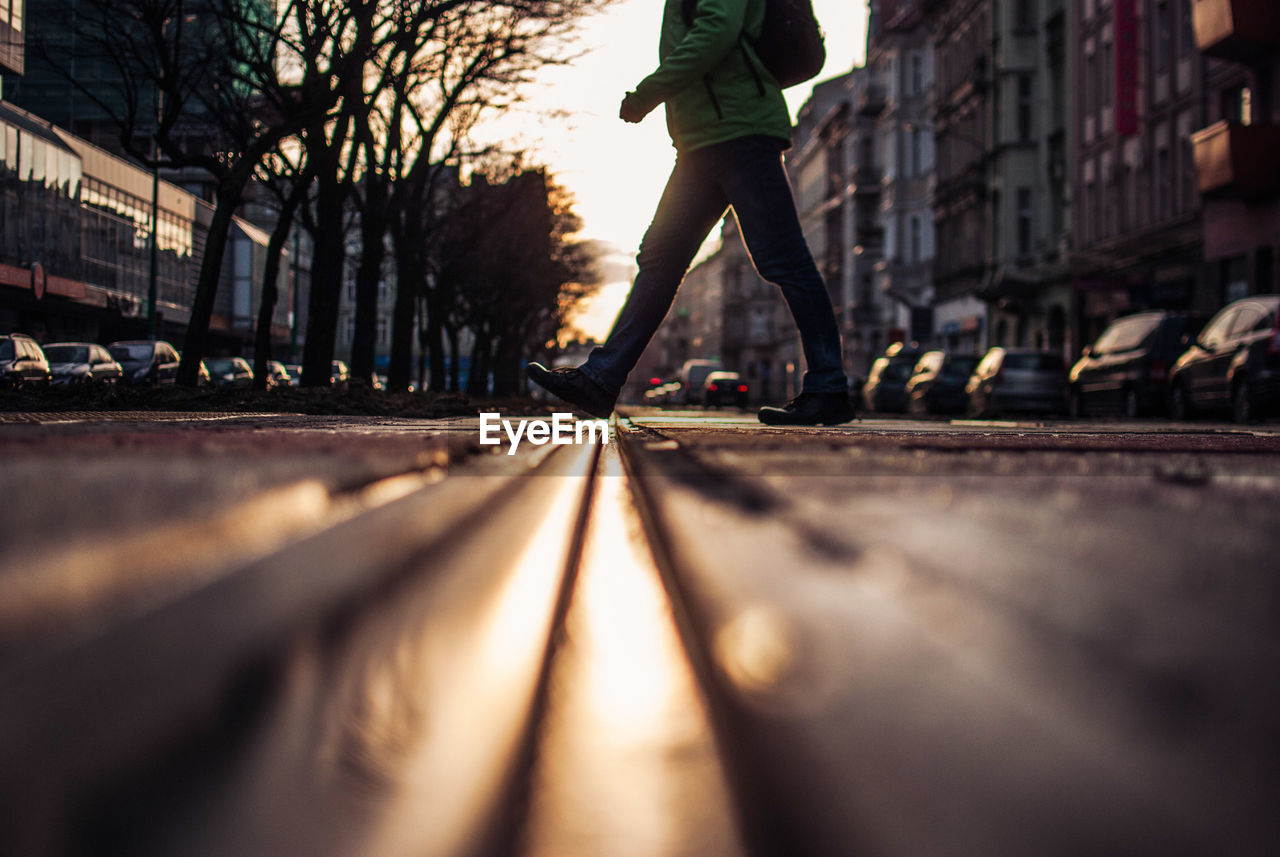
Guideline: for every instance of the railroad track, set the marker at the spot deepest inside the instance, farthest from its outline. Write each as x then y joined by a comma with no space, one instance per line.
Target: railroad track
623,649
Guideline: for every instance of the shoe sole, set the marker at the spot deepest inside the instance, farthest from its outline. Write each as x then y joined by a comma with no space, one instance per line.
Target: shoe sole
583,408
825,422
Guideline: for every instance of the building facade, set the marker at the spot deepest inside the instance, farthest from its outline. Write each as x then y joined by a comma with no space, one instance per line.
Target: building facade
964,142
1234,152
75,246
900,65
1141,93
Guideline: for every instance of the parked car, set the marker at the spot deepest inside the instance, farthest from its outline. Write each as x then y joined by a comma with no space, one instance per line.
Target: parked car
82,363
666,394
339,376
22,362
937,383
1018,379
693,378
148,362
295,374
1127,368
230,373
723,388
886,385
1234,364
277,375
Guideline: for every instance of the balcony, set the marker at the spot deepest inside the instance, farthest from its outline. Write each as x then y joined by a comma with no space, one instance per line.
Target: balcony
1236,30
871,100
1237,160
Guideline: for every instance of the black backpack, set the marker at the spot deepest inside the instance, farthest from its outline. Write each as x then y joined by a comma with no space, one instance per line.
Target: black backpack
790,45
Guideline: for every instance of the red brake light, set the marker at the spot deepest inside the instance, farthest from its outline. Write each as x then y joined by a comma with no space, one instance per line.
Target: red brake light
742,388
713,388
653,382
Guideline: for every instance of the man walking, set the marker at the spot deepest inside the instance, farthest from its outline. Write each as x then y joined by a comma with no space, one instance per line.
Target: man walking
729,124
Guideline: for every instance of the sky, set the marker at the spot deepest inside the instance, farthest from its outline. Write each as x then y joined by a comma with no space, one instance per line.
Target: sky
615,171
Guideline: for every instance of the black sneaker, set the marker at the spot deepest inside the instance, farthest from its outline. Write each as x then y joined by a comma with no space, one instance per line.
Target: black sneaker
810,409
571,386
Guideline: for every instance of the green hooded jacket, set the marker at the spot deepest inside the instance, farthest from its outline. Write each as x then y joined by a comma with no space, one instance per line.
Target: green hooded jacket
714,87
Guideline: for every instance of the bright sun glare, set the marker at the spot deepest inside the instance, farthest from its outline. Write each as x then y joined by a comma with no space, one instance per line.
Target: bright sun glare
616,171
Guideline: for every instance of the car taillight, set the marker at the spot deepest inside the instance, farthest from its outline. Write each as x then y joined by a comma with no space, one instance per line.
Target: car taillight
713,388
1159,371
742,388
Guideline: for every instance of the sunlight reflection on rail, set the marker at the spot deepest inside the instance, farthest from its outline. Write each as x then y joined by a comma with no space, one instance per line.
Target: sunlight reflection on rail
627,765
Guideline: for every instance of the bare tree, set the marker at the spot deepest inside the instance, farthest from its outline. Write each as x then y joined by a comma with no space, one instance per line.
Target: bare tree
508,260
475,61
290,183
202,81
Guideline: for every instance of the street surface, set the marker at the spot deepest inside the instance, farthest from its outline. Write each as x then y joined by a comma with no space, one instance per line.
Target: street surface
232,634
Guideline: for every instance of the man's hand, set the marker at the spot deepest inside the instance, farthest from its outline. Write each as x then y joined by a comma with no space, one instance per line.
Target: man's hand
632,110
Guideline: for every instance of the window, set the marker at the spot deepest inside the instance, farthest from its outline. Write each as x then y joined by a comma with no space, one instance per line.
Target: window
1163,182
917,162
1024,221
1023,13
1248,319
917,74
1164,36
1126,335
1216,331
1186,39
1090,99
1235,280
1107,82
1025,107
915,238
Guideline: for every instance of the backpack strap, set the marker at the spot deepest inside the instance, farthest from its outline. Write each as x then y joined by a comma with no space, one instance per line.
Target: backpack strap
688,11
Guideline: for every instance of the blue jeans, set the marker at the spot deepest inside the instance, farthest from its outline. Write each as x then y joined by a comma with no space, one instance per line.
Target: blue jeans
747,175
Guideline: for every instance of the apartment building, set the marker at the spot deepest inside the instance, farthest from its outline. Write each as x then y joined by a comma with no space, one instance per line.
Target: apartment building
963,135
1237,168
900,60
1137,217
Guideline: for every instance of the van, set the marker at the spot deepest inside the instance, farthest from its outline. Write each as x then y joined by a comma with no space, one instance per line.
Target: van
693,377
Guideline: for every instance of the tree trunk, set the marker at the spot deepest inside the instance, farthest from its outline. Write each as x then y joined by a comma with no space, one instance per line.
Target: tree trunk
409,274
197,340
373,230
478,376
421,322
506,365
433,330
326,284
451,337
270,278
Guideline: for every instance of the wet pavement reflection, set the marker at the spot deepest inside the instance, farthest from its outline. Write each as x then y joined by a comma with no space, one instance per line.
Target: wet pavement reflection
401,730
626,762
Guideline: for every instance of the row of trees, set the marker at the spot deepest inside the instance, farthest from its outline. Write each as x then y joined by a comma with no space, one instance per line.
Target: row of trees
354,116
